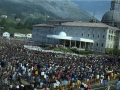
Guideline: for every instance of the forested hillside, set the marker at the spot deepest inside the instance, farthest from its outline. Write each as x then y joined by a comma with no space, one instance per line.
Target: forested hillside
25,12
15,26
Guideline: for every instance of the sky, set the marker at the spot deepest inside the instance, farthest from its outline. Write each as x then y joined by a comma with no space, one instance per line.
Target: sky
97,7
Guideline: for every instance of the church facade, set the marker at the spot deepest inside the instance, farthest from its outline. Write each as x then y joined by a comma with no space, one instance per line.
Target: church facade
83,35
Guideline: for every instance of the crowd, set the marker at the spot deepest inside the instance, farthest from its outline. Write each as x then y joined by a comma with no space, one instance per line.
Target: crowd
52,71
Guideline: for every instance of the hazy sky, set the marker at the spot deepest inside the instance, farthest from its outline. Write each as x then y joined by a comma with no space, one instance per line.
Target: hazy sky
99,7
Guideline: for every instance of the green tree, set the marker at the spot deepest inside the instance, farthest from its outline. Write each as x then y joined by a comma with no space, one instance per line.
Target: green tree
3,22
19,26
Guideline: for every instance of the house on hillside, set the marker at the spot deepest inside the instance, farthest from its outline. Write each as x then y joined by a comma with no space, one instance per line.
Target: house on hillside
28,36
6,35
3,16
19,36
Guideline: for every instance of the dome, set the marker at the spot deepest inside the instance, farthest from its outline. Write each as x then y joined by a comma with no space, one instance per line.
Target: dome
112,15
62,34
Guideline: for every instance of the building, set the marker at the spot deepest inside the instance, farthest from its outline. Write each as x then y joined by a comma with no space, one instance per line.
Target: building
83,35
28,36
6,35
4,16
19,36
112,17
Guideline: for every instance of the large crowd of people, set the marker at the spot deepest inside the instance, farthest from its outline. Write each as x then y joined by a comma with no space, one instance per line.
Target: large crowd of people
52,71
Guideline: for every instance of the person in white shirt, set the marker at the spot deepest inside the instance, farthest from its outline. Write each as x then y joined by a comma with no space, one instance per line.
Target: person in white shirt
118,84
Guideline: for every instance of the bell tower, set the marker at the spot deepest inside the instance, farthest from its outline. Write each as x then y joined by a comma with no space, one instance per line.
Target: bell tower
114,5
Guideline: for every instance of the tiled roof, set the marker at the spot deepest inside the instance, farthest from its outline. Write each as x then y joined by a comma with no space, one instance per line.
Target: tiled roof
61,21
81,24
44,25
88,24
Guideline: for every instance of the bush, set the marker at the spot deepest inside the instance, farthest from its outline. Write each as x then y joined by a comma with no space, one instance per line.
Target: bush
112,51
82,52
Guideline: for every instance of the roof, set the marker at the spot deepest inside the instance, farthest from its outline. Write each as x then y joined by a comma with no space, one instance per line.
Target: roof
88,24
81,24
44,25
61,20
111,16
70,38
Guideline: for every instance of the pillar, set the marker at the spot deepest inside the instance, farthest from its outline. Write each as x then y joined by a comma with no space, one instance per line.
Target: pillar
85,44
64,43
80,45
75,43
92,46
70,44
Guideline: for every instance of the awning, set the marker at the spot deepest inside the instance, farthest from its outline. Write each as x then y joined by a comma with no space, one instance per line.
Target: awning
70,38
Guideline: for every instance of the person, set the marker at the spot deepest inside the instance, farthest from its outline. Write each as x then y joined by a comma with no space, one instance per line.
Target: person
118,84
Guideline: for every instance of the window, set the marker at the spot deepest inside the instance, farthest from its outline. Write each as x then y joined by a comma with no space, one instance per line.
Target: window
82,34
109,31
114,37
112,32
102,44
109,37
97,44
98,36
88,35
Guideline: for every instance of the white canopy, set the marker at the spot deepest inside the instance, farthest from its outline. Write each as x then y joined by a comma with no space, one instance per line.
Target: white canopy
65,37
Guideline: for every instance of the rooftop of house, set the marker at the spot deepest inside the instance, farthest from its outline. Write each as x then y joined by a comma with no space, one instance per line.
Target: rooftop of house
44,25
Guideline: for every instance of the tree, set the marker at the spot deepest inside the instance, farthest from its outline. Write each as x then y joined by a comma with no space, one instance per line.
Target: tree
3,22
19,26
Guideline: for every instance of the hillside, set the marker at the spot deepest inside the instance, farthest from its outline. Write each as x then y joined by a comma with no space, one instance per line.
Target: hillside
25,12
12,26
42,10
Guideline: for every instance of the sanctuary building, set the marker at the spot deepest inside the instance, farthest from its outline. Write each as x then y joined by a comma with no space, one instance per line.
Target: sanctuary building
83,35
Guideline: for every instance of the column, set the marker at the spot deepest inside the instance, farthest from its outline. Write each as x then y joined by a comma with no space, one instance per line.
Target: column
88,46
85,45
70,44
92,46
75,43
59,42
64,43
80,45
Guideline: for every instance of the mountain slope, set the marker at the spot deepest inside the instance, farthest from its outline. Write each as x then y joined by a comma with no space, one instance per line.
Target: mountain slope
55,9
